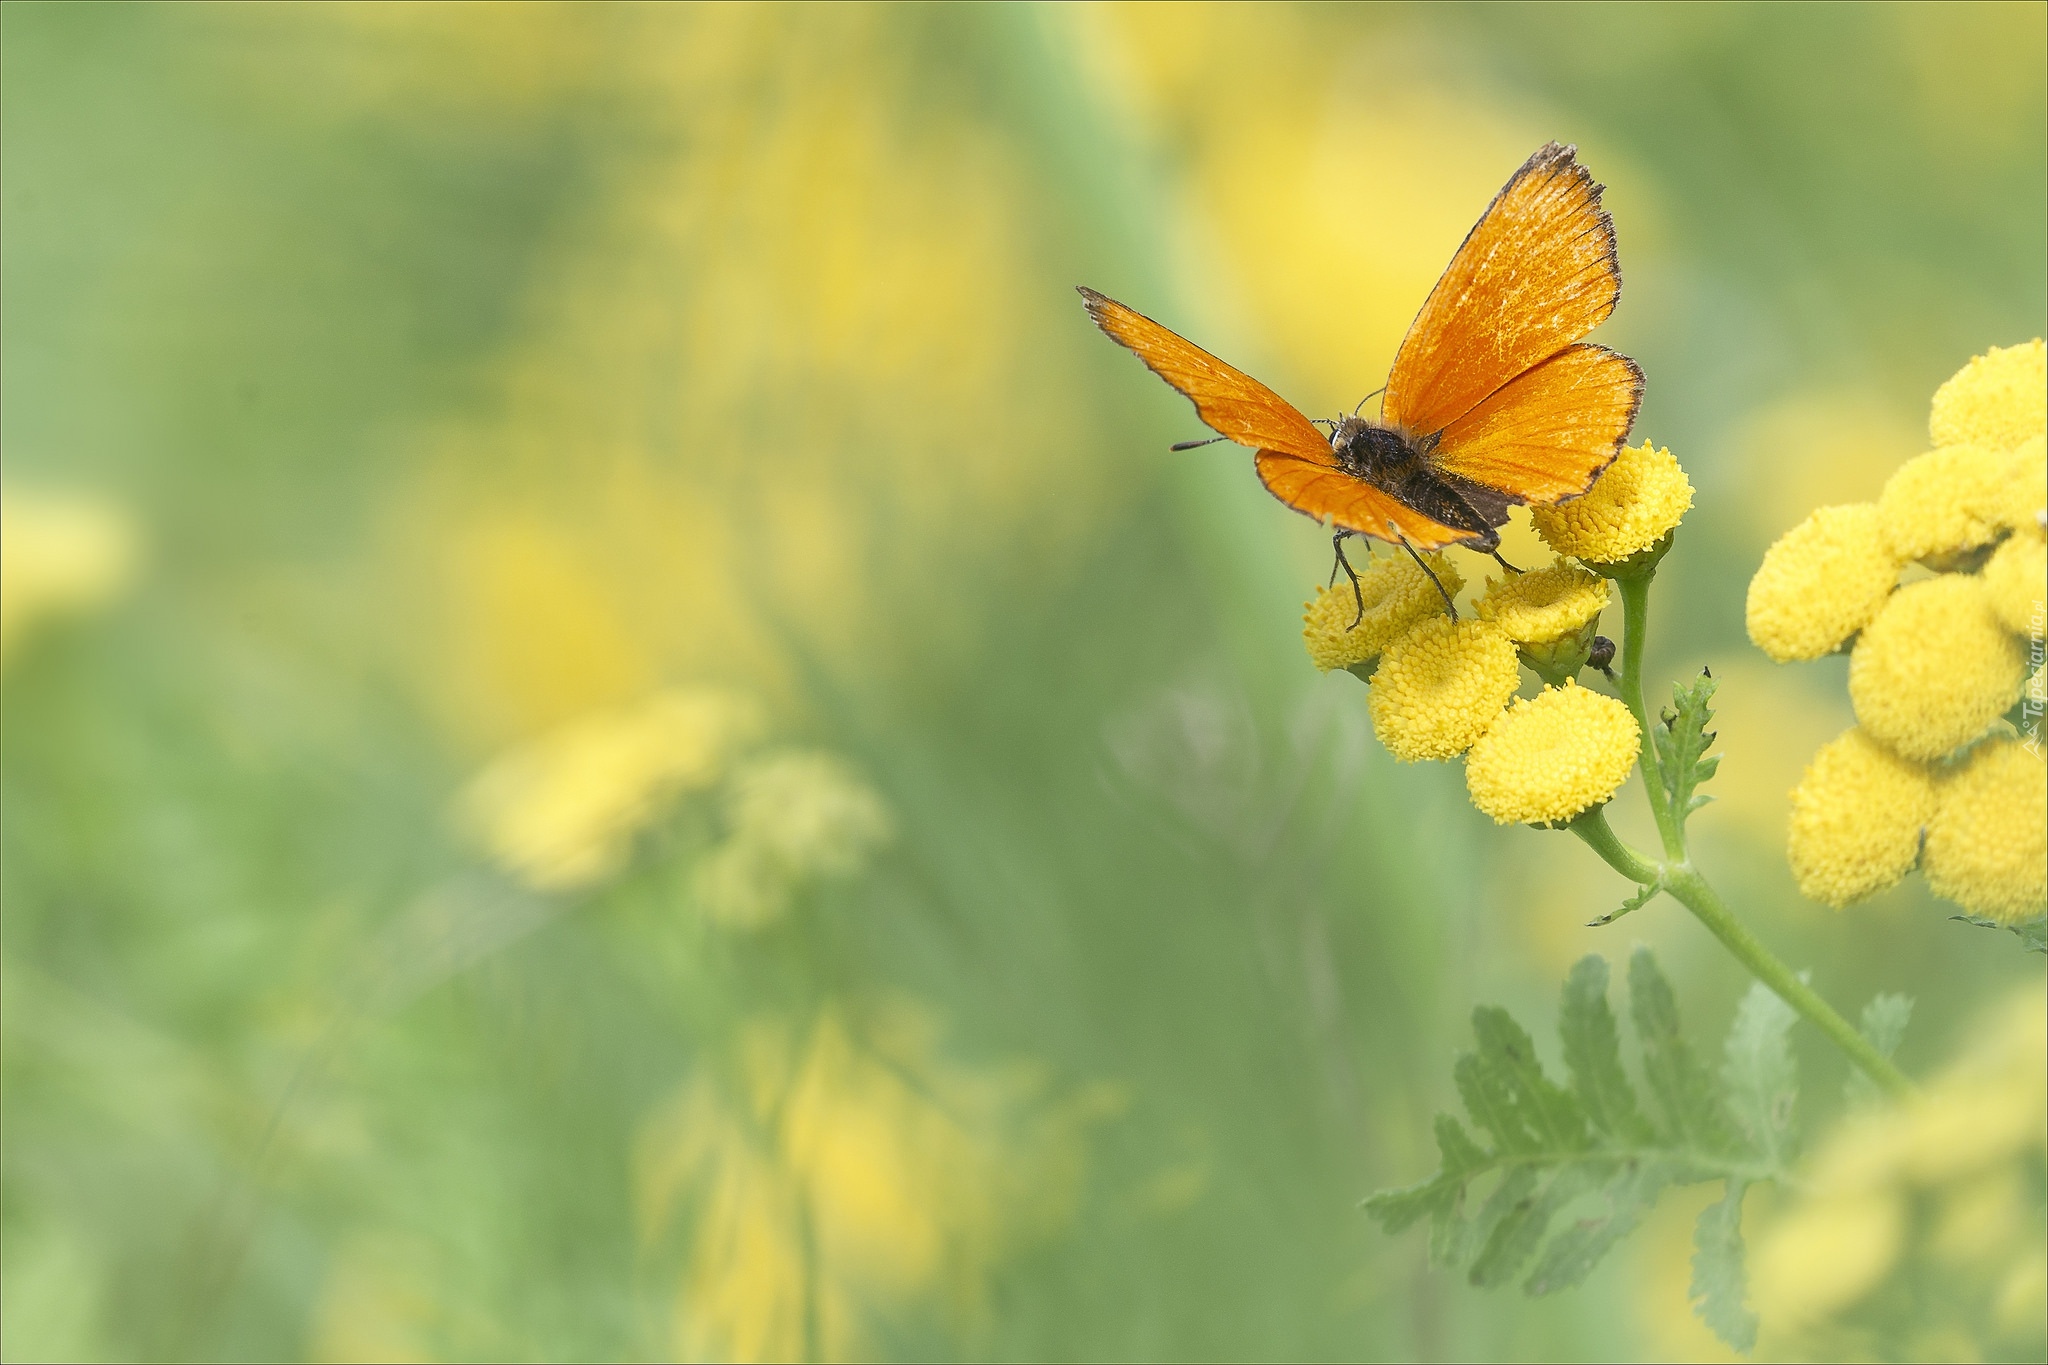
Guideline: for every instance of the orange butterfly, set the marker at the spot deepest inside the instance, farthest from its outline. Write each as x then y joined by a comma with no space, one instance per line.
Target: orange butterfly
1493,399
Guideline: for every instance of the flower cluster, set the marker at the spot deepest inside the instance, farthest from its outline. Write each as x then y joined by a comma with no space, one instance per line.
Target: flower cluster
1442,686
563,812
1938,1201
1944,767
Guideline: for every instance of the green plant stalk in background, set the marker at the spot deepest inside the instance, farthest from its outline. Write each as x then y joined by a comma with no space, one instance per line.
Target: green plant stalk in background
1669,773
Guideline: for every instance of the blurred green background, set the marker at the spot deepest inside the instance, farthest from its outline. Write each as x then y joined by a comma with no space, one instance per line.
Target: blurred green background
1023,952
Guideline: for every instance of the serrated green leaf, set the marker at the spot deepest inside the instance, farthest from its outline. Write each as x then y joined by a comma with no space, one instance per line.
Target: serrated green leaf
1681,754
1499,1218
1683,1089
1720,1284
1884,1024
1758,1076
1521,1230
1592,1053
2033,933
1550,1116
1631,1192
1440,1195
1557,1148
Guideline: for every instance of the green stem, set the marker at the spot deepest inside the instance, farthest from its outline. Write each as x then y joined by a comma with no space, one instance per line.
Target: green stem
1592,827
1635,607
1692,891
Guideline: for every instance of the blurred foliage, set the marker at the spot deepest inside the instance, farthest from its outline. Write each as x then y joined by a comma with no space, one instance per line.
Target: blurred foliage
402,402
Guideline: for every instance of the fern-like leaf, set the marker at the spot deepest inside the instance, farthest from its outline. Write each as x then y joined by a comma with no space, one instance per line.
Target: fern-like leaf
1682,759
1551,1177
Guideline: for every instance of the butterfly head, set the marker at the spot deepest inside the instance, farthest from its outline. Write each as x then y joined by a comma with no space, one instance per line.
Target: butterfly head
1366,448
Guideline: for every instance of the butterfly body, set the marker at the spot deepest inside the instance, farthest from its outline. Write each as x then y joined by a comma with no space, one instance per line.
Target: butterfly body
1398,464
1493,399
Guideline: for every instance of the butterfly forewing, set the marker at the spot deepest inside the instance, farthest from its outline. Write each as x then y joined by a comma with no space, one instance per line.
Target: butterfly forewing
1547,434
1230,401
1336,498
1536,273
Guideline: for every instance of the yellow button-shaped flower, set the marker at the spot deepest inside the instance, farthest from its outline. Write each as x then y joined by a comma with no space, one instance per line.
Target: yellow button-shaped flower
1440,685
1945,501
1856,819
2016,579
1553,756
1823,581
1545,604
1397,594
1987,846
1936,668
1997,400
1636,503
2026,487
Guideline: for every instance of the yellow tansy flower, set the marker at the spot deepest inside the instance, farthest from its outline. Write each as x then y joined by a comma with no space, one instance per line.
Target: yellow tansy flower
1945,501
2026,487
1440,685
1635,504
2016,579
1552,757
1856,819
1936,669
1397,594
1823,581
1997,400
1987,846
1544,604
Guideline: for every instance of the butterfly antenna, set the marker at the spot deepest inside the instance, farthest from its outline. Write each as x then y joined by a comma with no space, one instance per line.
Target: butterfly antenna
1426,569
1368,398
1337,544
1194,445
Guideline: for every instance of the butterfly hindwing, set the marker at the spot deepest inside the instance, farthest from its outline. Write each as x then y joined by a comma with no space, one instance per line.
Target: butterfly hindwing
1536,273
1547,434
1231,402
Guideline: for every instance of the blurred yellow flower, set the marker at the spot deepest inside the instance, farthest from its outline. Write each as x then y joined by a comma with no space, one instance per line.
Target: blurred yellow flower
1944,502
794,816
1826,1255
1936,669
1544,605
1397,594
1440,685
1987,845
58,554
2016,580
845,1173
1552,757
1635,504
1962,1160
1823,581
1998,400
562,811
1857,815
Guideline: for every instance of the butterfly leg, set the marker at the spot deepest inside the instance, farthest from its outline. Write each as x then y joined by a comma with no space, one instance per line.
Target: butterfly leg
1453,606
1337,544
1504,564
